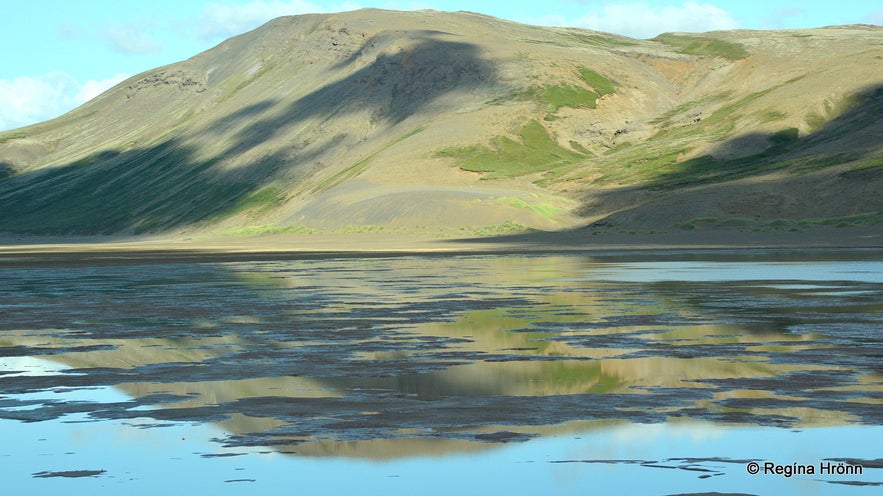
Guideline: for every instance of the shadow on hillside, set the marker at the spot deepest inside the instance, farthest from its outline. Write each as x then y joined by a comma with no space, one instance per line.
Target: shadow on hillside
851,136
166,186
393,87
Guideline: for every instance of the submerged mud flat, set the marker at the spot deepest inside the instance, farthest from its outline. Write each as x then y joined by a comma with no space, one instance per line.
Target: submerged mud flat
391,358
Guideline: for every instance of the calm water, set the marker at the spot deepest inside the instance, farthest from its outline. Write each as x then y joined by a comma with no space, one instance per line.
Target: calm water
661,373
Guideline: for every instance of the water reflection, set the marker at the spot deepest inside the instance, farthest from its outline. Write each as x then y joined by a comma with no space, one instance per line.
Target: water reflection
406,356
134,456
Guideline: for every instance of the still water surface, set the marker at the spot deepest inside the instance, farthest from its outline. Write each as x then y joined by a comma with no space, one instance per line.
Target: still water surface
655,373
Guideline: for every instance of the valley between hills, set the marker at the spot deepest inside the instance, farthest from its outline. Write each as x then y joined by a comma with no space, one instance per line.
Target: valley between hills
378,130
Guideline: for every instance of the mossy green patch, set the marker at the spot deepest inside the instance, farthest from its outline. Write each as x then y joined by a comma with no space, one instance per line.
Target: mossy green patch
535,152
857,220
703,46
866,219
834,108
577,38
739,222
659,163
756,224
580,148
665,119
875,163
698,222
546,210
506,227
784,137
772,115
237,82
601,84
641,164
717,126
599,39
257,202
618,147
267,229
361,228
11,135
565,95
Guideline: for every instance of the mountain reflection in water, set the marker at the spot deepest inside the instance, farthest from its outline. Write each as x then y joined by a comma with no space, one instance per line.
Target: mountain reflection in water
405,356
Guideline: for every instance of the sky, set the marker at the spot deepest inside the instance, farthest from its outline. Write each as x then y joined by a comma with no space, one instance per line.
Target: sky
57,54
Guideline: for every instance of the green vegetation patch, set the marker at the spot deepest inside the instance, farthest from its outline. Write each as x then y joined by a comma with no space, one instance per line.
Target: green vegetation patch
857,220
576,38
257,202
772,115
784,137
267,230
601,84
11,135
598,39
642,165
756,224
663,166
576,145
866,219
703,46
546,210
535,152
362,228
235,83
665,119
718,125
506,227
871,164
565,95
698,222
817,120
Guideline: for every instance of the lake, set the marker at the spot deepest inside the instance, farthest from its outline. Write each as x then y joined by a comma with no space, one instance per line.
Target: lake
660,372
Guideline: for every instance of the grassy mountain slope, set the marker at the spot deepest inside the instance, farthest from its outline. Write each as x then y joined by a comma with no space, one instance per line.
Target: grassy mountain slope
461,123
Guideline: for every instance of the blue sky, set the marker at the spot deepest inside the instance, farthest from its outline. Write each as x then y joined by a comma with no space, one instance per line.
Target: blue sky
59,53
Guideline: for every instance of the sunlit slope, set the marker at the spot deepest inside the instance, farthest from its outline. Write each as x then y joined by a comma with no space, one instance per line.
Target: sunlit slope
457,122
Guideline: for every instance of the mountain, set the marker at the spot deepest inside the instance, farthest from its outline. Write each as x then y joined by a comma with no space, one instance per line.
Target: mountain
460,123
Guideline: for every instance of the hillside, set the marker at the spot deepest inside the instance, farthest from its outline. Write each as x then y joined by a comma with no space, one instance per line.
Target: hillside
462,124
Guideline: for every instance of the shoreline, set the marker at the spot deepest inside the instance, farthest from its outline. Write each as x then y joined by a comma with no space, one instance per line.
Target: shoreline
24,251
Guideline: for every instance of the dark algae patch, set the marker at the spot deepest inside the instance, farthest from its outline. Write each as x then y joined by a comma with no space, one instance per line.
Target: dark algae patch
70,474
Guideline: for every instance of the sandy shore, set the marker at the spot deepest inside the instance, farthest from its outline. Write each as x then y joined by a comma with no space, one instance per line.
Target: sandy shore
16,250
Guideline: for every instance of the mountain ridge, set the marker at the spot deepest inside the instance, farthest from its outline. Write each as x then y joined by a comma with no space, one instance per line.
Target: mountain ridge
433,122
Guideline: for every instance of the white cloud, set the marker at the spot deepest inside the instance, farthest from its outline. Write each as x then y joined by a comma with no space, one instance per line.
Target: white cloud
90,89
131,39
223,20
27,100
876,18
643,20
